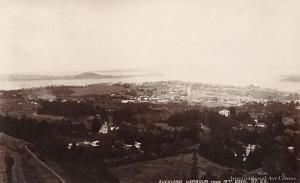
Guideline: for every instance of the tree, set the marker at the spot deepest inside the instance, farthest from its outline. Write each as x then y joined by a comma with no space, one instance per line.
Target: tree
9,161
95,126
274,124
194,169
232,111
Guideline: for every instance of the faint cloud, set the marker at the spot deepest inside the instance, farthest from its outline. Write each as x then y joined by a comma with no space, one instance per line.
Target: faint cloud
290,78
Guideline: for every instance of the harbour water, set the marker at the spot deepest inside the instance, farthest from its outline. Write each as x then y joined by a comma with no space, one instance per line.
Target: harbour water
13,85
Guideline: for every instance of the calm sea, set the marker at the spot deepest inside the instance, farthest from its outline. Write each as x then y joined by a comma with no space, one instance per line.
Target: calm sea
13,85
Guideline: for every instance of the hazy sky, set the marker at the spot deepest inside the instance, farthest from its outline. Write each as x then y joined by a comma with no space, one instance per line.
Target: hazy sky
211,36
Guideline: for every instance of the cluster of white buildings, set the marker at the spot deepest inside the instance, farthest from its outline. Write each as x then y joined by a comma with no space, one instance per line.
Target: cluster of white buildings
146,99
108,127
224,112
84,144
165,92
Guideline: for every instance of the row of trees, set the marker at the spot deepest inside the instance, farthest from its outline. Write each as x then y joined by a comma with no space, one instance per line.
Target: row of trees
71,109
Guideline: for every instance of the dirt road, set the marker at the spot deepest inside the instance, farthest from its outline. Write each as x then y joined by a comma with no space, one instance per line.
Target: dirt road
26,166
10,147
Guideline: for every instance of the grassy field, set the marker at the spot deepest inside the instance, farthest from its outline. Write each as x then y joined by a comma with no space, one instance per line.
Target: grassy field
175,167
96,90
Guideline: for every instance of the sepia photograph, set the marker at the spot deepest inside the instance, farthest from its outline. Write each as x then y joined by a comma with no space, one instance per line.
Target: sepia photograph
149,91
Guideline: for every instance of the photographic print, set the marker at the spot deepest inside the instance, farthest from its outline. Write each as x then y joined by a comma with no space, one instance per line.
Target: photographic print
149,91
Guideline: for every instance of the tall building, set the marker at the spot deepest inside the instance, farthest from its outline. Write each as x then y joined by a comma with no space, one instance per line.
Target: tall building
189,94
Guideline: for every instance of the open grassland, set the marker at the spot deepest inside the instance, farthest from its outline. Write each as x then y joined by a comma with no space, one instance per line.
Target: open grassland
176,167
96,90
